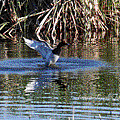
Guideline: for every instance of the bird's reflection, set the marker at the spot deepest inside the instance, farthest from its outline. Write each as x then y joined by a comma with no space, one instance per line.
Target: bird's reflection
40,81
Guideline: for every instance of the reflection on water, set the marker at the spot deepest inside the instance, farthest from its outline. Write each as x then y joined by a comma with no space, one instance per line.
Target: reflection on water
80,89
84,94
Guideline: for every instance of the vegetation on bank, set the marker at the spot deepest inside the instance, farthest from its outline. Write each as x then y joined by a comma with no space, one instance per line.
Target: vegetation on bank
58,19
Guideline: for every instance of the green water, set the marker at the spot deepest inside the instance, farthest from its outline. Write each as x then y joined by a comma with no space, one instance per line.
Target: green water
62,95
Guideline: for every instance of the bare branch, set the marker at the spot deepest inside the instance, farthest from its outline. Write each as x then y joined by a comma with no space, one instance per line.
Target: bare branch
3,4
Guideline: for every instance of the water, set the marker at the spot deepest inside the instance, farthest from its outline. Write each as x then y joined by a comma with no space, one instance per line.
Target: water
82,88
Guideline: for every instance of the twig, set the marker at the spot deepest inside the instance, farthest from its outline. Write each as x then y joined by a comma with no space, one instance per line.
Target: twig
3,3
113,20
58,15
41,24
3,25
10,32
76,31
73,113
17,17
54,20
79,10
2,36
56,23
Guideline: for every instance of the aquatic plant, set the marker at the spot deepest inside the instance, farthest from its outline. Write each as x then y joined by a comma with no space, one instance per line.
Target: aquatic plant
58,19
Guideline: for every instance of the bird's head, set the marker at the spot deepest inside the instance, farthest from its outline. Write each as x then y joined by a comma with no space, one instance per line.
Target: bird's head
57,50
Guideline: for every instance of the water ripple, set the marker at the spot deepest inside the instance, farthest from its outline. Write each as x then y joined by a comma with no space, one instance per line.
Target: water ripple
23,66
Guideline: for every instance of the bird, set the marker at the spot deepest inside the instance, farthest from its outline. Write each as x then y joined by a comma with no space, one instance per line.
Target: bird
49,54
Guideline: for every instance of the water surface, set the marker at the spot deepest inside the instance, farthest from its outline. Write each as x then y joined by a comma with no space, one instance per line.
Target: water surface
84,87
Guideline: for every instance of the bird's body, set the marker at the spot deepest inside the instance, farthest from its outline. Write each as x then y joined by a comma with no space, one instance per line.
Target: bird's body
49,54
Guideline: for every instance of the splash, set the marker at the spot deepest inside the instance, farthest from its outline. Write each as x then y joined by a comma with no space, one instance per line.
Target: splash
26,65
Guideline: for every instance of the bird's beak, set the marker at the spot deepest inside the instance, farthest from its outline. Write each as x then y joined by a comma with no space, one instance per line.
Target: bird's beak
68,44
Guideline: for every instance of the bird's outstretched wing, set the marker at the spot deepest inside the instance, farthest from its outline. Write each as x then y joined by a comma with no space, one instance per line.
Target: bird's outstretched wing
42,47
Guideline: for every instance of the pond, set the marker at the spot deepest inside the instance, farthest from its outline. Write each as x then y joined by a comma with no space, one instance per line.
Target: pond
85,86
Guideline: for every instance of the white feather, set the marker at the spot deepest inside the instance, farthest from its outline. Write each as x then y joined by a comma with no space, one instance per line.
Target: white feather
41,47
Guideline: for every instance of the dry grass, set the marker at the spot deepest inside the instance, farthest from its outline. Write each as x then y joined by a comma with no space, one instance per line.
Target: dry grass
71,17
